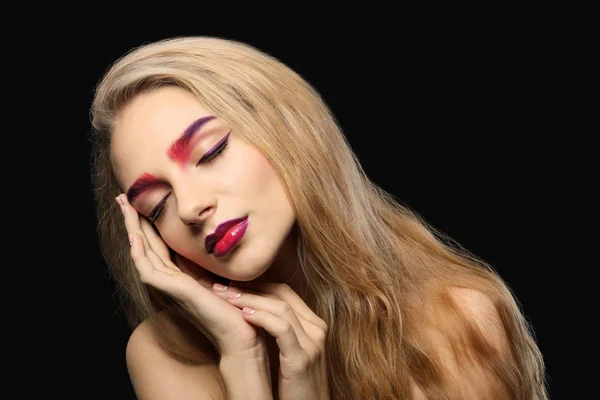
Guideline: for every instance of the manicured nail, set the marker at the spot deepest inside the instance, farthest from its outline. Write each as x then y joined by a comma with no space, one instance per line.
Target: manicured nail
219,287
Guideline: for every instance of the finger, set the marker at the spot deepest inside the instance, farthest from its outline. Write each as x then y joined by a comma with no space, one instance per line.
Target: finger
287,294
202,276
222,291
157,250
315,327
149,274
281,330
157,244
315,332
132,219
177,284
275,307
133,225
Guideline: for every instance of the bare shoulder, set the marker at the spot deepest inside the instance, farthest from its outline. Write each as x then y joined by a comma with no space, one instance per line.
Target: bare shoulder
157,374
482,311
467,366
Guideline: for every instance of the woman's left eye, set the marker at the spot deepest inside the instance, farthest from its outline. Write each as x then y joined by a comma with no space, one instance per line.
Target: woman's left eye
215,151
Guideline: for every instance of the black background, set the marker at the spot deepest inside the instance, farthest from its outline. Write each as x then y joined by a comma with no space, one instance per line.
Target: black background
454,119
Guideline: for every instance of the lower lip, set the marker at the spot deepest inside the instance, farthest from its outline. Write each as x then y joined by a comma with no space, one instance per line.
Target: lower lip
230,239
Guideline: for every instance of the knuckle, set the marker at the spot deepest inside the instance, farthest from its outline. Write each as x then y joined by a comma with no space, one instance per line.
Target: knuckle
281,288
283,308
301,364
286,328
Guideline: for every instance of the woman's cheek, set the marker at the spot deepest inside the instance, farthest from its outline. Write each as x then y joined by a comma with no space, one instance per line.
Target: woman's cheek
173,240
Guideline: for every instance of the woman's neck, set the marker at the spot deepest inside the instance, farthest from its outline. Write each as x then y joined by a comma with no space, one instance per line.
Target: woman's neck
286,269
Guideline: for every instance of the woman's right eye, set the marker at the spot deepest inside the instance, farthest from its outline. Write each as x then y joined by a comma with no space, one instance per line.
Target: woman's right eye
158,209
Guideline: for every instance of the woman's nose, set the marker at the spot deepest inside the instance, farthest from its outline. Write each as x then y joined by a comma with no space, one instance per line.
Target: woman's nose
195,208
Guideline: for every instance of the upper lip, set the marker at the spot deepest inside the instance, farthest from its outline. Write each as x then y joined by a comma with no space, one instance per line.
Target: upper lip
212,239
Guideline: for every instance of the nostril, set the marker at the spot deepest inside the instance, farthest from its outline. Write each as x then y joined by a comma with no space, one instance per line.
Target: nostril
192,215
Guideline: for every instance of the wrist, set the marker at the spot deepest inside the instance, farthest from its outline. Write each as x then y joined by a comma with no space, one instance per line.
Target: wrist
246,375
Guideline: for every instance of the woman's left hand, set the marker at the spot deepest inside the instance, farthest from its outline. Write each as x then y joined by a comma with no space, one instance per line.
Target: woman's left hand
298,331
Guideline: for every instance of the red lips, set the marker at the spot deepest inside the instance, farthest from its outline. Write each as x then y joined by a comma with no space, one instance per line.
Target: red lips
212,239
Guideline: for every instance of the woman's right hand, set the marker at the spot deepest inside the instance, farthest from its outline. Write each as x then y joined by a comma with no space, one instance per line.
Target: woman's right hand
216,318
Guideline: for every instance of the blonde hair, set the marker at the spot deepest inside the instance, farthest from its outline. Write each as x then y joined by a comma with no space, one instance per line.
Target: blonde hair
373,264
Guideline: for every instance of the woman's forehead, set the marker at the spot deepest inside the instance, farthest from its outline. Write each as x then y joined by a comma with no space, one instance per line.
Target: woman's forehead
163,114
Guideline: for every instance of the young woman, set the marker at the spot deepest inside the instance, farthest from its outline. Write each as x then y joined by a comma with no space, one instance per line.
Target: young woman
256,260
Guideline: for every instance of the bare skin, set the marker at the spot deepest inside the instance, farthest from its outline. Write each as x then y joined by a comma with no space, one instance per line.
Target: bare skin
278,350
270,330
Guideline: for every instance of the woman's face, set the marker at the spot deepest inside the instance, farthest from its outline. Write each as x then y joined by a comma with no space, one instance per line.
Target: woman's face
188,172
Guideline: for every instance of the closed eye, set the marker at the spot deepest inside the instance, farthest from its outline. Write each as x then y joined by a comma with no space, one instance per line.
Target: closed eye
158,209
210,155
215,151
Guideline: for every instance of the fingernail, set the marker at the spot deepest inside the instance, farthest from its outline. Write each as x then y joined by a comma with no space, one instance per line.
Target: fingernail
118,199
219,287
233,295
248,310
130,239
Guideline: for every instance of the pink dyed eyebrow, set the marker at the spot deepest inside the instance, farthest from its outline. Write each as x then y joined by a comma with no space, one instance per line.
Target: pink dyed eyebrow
141,184
178,151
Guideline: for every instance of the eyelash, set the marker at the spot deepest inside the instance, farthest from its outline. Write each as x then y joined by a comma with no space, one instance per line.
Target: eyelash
206,159
211,156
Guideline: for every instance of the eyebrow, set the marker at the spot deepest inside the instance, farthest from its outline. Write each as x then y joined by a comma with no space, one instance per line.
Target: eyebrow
141,184
178,151
180,148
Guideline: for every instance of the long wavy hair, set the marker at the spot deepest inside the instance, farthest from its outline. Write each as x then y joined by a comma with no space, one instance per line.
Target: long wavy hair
374,265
